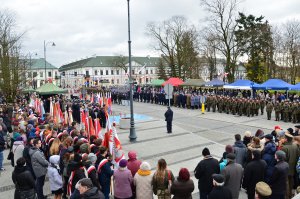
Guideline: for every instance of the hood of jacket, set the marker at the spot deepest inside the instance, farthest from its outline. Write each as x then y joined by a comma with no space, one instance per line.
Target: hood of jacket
32,150
16,143
239,144
54,159
20,169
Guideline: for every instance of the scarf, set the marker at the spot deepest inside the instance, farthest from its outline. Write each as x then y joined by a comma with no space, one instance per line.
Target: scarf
144,172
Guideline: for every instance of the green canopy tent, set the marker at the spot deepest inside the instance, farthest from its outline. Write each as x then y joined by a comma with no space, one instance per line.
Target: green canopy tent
50,89
28,90
157,82
193,82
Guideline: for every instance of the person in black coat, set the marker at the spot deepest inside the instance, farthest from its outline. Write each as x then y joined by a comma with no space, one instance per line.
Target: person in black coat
204,171
88,191
254,173
279,177
219,191
23,181
102,117
169,119
183,186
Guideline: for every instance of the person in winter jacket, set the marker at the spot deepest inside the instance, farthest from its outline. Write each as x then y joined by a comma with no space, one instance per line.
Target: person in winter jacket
18,148
2,147
268,156
254,173
23,180
233,173
278,180
142,182
55,180
219,191
203,172
133,164
183,186
123,181
88,191
240,150
39,165
104,171
89,164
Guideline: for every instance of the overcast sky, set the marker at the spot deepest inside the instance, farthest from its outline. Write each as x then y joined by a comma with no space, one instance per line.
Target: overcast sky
84,28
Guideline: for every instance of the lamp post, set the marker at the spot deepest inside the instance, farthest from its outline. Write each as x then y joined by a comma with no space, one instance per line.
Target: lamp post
132,135
45,46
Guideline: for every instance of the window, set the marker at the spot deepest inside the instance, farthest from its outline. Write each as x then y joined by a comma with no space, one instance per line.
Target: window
118,81
34,74
113,81
75,74
63,73
151,71
29,74
101,72
132,72
55,73
106,72
118,72
96,72
147,72
112,72
87,73
41,74
49,74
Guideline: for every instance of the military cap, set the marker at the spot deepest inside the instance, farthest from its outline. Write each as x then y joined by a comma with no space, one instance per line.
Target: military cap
263,189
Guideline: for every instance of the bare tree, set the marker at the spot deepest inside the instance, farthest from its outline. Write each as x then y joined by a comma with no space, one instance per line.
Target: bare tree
291,36
177,42
11,69
121,62
222,15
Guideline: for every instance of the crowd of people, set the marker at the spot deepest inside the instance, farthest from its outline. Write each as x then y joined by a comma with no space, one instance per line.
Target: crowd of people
80,165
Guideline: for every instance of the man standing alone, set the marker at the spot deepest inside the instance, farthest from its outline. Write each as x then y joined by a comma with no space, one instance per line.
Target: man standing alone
169,118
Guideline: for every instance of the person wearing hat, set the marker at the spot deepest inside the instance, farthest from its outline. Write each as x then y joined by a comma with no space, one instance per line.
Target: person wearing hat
142,182
268,156
254,172
278,181
262,190
87,190
203,172
183,186
133,163
219,191
233,173
292,153
123,181
169,119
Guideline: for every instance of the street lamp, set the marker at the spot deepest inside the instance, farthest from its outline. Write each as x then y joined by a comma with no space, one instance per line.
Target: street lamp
45,46
132,135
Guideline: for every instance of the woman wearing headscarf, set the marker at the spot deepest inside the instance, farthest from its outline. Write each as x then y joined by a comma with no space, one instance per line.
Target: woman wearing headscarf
142,182
162,180
183,186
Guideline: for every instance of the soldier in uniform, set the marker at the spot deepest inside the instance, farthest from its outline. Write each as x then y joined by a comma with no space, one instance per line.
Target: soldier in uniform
269,109
262,106
208,103
233,106
213,103
294,112
277,109
286,110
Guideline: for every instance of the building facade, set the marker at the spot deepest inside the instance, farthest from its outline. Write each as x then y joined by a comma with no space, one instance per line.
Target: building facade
107,70
36,76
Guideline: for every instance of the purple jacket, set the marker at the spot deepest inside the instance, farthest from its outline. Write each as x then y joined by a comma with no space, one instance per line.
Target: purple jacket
123,183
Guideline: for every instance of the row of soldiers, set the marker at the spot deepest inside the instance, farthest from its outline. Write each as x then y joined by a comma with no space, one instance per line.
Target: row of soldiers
284,110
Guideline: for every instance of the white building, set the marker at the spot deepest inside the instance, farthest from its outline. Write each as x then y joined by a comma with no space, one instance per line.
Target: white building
36,72
96,71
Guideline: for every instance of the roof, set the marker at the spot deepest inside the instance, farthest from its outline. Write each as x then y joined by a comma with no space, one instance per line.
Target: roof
274,84
107,61
38,64
50,89
241,84
157,82
193,82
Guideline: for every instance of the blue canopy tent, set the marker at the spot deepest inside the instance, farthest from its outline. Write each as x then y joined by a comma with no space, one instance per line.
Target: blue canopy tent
273,84
296,87
215,83
242,84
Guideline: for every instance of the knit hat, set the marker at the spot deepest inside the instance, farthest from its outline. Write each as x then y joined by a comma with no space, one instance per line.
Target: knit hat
277,127
290,131
269,136
132,155
247,134
205,152
263,189
145,166
92,157
123,163
280,155
219,178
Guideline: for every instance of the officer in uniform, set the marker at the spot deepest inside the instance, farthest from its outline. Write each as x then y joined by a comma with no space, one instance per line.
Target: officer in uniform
169,119
262,106
269,109
277,109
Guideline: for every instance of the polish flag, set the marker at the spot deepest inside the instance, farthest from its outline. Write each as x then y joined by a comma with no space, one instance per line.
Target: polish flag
117,153
98,128
91,127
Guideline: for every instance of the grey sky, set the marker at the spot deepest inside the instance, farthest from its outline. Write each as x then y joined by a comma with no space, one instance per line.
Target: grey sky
82,28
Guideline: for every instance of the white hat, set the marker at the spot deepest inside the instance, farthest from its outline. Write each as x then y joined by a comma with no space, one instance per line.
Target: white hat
145,166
